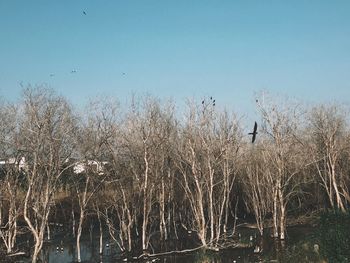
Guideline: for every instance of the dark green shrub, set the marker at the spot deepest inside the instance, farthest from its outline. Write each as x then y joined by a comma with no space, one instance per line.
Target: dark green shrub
303,251
334,236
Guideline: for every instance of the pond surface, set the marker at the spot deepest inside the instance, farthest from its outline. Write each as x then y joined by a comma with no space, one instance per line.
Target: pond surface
62,250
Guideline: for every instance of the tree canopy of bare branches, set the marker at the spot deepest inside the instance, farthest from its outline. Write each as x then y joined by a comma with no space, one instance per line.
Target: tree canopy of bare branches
150,177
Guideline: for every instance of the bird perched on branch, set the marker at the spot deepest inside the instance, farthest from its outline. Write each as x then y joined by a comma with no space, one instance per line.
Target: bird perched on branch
254,133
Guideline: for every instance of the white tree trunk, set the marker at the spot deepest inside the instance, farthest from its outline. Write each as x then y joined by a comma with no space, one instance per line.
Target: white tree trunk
80,227
275,213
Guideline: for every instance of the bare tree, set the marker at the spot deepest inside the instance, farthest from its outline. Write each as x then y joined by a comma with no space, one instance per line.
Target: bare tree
256,182
328,148
280,125
189,166
148,133
206,160
45,139
10,176
93,141
228,139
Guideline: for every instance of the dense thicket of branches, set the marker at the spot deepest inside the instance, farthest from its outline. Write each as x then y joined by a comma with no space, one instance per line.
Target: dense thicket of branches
146,175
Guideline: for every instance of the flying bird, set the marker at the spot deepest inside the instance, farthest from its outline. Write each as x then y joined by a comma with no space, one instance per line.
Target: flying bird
73,71
51,75
84,12
254,133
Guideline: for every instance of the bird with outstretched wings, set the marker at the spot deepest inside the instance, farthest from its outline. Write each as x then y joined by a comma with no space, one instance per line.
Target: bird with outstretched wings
254,133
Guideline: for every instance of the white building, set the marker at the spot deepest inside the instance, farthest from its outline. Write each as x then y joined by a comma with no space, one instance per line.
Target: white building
80,167
13,161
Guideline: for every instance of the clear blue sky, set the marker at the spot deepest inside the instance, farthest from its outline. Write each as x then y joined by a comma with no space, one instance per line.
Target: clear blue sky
227,49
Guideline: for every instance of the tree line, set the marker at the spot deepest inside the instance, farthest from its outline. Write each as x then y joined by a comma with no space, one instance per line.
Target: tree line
145,173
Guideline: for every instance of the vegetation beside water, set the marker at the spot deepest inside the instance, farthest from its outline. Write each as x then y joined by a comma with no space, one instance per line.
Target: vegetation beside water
329,242
334,236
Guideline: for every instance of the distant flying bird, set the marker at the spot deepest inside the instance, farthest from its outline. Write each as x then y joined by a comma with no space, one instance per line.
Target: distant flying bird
202,101
84,12
73,71
123,73
51,75
254,133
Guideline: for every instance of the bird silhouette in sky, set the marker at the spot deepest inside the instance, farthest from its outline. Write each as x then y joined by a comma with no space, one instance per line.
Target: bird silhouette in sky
213,101
254,133
51,75
73,71
84,12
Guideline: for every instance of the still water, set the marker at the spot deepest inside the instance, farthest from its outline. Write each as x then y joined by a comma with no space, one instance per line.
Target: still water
62,250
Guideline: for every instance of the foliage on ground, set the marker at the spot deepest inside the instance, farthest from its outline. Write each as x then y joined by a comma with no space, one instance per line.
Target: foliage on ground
304,251
334,236
330,243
